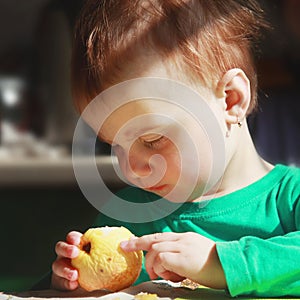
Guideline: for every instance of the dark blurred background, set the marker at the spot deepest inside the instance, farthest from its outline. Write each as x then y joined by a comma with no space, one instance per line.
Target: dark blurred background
275,126
40,200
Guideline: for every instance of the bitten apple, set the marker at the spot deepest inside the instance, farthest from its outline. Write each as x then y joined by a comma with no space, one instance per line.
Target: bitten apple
102,264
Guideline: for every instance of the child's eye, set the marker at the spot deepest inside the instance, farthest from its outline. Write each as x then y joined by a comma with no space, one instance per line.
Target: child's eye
153,141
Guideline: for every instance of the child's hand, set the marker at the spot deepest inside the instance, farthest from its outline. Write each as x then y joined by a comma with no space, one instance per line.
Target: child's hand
64,276
174,256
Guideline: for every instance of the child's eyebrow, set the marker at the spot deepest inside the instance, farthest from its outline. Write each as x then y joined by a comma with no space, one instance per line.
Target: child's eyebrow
133,133
103,139
153,129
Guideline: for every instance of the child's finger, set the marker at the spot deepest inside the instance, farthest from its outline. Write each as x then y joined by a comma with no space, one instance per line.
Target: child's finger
149,264
62,268
164,272
69,285
167,275
173,262
153,264
74,237
166,246
66,250
157,267
145,242
60,283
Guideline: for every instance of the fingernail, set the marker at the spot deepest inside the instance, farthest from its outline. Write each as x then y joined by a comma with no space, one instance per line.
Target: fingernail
124,244
72,275
72,285
75,252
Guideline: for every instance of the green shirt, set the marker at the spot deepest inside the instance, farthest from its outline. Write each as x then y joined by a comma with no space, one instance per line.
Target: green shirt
256,230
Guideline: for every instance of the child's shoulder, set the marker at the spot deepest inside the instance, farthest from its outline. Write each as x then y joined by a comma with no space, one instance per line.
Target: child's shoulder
289,173
288,190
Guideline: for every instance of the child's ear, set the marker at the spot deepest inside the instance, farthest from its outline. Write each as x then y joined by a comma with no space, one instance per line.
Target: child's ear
234,87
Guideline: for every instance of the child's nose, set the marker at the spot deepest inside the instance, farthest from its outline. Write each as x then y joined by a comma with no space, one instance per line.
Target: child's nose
139,166
138,163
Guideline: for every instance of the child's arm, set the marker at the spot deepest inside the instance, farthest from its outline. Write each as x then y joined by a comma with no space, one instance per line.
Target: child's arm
267,266
174,256
64,276
262,267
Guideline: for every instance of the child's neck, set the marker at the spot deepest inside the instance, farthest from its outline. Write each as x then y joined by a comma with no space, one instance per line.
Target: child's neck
244,168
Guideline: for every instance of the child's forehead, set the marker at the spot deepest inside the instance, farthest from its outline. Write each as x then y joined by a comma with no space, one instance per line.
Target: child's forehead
149,63
151,107
144,99
155,112
143,116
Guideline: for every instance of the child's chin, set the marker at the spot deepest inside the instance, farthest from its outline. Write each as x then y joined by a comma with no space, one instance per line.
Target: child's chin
175,199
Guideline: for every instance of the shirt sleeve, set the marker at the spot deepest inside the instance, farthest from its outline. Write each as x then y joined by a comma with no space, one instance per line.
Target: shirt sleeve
268,268
265,267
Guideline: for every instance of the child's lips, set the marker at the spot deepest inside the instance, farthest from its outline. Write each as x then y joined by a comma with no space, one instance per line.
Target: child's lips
157,188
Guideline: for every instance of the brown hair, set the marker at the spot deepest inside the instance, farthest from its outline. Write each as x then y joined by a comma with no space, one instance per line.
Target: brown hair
205,37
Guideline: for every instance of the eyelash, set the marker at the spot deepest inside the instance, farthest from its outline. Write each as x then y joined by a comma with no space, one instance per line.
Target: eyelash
155,143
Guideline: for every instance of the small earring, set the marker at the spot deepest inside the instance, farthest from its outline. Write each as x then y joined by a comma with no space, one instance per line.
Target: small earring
240,123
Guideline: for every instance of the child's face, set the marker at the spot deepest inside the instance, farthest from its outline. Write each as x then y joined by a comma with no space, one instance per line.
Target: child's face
160,147
156,143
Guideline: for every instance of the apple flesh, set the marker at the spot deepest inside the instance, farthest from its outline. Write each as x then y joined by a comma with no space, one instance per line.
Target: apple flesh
102,264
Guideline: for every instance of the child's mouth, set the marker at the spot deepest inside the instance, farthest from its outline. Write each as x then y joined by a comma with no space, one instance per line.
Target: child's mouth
156,188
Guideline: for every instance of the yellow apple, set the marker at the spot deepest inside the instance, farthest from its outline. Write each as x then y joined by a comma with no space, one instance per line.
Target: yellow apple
145,296
102,264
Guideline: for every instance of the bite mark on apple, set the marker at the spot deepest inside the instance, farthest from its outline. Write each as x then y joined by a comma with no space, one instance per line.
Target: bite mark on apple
87,248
